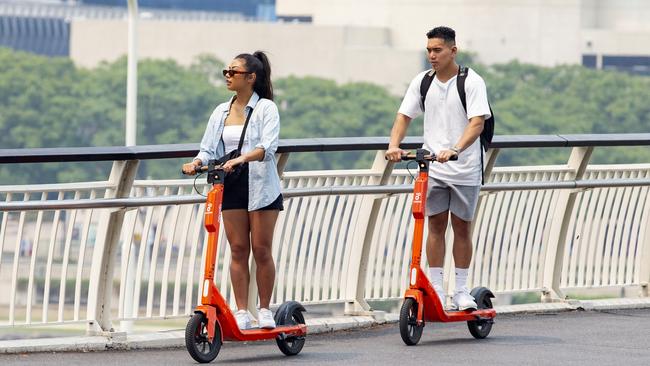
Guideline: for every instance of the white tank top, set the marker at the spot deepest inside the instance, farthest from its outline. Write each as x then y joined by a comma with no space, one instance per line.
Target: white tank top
231,136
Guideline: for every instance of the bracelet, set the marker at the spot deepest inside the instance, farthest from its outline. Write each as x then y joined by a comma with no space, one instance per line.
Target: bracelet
455,149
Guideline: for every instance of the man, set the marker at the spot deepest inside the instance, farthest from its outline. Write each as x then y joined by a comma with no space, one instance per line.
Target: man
449,130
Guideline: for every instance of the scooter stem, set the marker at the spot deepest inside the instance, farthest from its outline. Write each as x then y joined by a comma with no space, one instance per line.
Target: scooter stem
212,221
419,204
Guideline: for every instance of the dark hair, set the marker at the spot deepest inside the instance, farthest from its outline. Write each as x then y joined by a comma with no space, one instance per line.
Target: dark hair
258,64
445,33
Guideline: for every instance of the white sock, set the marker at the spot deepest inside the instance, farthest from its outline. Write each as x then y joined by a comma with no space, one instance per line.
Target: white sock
461,278
435,275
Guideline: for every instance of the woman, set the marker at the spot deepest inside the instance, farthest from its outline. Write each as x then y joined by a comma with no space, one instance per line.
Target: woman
252,199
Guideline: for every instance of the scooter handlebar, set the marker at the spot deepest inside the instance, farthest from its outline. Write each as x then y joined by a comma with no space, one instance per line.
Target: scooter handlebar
197,169
431,157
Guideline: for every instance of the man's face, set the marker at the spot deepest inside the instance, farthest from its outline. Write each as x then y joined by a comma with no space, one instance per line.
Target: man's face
440,53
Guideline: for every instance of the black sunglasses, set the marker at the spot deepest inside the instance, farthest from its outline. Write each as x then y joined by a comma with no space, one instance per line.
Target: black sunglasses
232,73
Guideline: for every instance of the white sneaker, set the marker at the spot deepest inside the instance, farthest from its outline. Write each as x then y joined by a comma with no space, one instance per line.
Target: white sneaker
265,319
463,300
441,295
243,318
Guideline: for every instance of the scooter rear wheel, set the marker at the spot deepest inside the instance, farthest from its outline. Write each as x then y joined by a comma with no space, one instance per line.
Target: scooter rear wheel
481,328
408,322
196,339
290,313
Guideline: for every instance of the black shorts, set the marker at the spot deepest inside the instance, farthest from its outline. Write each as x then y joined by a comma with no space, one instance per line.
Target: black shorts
235,194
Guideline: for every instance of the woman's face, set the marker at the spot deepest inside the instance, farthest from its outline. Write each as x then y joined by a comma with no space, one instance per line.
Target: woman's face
237,76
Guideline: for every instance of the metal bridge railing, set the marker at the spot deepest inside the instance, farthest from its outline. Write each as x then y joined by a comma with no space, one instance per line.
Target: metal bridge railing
123,249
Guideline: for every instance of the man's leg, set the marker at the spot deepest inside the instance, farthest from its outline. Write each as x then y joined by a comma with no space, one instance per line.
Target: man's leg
463,204
437,209
436,239
436,251
462,241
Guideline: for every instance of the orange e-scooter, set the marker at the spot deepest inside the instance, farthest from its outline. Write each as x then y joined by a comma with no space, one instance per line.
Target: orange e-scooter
421,304
213,321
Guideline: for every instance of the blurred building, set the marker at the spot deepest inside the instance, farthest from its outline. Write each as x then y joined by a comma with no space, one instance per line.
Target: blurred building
254,9
380,41
93,31
608,34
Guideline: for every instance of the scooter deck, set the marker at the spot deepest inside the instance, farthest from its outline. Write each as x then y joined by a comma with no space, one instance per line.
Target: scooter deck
258,334
433,311
464,315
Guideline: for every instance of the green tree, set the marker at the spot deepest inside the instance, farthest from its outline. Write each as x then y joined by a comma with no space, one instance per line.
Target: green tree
49,102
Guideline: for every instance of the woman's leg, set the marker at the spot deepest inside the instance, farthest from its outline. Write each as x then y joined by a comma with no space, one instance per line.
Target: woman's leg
262,224
237,227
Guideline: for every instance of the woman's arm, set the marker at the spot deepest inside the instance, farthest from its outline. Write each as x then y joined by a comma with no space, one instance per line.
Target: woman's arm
270,133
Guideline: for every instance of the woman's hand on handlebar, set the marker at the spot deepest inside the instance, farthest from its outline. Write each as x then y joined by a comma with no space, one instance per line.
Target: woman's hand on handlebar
232,163
445,155
190,168
394,154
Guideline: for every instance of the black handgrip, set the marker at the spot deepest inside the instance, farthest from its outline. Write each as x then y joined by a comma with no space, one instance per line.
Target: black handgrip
197,169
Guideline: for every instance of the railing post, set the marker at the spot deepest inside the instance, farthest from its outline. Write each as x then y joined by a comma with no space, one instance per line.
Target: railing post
557,239
644,263
104,255
282,160
362,239
490,160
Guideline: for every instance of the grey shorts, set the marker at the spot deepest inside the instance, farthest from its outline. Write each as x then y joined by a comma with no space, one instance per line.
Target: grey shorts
460,200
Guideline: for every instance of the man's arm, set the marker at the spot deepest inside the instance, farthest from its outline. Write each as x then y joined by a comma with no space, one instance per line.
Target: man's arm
401,124
471,133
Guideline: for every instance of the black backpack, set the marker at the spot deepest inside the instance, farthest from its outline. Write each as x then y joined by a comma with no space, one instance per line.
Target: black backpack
488,126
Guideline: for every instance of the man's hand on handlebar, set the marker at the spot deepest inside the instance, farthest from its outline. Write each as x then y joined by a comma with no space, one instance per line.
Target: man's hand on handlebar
394,154
445,155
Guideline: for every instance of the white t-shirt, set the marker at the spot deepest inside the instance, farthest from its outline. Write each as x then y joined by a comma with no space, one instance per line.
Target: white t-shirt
231,136
445,121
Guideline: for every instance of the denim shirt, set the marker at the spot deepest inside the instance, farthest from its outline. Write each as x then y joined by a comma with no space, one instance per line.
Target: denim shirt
263,132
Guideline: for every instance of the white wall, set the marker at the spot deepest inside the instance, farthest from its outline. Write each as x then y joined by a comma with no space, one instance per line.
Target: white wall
543,32
340,53
615,43
619,15
383,41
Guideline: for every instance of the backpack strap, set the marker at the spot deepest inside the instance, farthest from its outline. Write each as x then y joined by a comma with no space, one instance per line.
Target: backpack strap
460,85
424,86
243,132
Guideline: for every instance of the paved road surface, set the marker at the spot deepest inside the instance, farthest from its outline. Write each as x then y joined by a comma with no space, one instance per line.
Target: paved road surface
573,338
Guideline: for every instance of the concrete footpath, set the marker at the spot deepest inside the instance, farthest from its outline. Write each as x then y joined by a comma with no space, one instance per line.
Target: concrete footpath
316,325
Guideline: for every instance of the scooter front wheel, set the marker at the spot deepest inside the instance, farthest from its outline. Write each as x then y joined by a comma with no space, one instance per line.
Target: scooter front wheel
481,328
290,313
408,322
197,342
